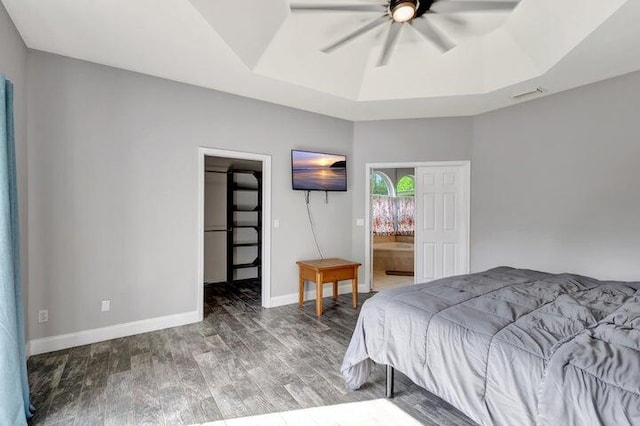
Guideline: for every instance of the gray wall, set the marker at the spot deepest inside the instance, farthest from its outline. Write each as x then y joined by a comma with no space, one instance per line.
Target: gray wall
13,64
113,189
438,139
556,183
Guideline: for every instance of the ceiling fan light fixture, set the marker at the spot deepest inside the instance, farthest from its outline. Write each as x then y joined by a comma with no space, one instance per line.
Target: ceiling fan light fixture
403,10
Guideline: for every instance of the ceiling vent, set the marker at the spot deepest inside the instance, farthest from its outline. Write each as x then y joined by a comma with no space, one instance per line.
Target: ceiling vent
534,92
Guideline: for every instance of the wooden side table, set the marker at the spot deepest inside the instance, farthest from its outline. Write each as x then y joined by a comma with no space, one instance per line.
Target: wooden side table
322,271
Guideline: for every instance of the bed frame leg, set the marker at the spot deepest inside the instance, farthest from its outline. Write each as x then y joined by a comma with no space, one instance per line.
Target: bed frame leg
389,385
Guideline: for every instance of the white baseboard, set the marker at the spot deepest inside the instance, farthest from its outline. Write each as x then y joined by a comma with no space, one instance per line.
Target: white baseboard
310,294
85,337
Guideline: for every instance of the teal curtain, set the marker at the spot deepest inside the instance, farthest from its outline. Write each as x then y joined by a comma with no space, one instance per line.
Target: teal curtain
14,388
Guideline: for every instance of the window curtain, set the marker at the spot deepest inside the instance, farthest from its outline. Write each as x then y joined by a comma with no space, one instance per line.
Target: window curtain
405,210
392,215
15,407
383,215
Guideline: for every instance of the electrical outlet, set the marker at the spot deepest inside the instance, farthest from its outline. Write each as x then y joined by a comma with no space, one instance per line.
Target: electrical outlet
43,316
106,305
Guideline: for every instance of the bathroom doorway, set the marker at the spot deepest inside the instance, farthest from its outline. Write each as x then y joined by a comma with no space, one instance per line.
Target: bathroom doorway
392,218
417,212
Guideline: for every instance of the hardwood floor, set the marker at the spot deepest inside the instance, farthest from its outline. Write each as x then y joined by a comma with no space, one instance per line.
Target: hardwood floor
241,360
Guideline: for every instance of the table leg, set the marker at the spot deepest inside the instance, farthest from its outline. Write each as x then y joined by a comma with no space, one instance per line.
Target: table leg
354,287
319,294
301,291
335,290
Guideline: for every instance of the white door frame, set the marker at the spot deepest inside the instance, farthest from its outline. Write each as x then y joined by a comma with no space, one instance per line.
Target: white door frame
266,221
368,259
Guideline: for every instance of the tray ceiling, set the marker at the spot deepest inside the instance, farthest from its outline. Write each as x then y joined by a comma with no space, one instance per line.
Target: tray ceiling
271,54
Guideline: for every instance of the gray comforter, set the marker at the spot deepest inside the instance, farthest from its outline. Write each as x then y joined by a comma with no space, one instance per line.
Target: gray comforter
510,346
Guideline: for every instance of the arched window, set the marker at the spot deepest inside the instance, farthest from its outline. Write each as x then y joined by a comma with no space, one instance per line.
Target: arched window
406,186
381,184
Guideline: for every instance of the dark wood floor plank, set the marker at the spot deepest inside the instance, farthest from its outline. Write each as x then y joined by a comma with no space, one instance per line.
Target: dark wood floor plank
146,402
140,343
193,383
141,361
65,400
124,419
45,372
97,370
249,392
76,363
229,402
101,348
209,409
165,372
92,408
304,395
225,395
120,359
276,393
119,395
175,406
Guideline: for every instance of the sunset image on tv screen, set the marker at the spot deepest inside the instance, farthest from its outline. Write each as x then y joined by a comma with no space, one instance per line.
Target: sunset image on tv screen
315,171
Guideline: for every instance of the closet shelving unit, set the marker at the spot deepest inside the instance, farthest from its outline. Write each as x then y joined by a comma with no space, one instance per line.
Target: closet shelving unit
244,219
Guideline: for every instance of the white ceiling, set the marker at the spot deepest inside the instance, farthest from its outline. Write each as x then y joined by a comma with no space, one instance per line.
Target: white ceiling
274,55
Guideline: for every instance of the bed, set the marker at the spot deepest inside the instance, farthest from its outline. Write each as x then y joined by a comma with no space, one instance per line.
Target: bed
510,346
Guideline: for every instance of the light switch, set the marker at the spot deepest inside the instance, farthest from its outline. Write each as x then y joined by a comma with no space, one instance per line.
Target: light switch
276,223
105,306
359,222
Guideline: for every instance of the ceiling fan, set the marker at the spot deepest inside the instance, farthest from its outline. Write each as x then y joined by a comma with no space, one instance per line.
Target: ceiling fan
399,12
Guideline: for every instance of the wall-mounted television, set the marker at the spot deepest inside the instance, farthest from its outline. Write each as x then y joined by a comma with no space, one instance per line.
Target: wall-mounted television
318,171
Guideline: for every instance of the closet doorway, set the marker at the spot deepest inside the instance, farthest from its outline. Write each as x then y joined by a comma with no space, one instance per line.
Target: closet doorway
234,204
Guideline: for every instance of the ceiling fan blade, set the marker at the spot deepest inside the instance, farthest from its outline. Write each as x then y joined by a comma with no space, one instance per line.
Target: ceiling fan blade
430,33
472,6
389,43
360,31
338,7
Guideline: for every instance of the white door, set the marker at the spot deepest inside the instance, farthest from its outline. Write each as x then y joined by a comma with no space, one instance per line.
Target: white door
442,221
